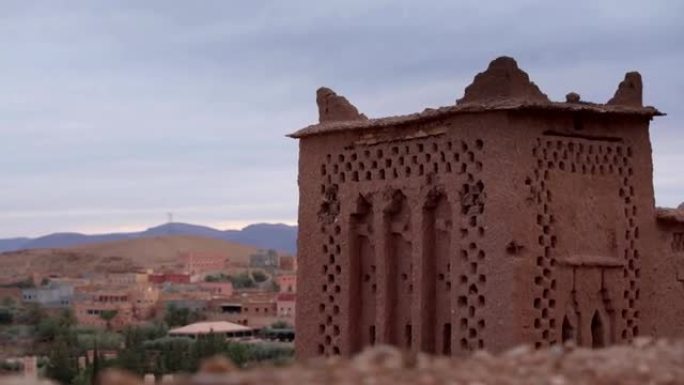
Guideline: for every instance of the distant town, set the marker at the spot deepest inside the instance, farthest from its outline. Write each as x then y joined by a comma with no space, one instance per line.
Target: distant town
146,318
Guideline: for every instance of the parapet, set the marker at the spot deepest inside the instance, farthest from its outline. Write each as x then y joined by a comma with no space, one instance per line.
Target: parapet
502,80
335,108
670,216
629,92
503,86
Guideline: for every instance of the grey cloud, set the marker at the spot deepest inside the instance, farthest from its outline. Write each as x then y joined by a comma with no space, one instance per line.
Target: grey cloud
112,108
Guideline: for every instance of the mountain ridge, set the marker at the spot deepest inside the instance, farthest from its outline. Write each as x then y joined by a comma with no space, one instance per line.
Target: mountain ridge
275,236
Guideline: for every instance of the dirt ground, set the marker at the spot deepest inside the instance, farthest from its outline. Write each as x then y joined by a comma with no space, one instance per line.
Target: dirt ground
644,362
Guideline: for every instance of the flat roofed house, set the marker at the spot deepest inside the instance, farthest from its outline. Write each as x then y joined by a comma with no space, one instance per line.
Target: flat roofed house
223,328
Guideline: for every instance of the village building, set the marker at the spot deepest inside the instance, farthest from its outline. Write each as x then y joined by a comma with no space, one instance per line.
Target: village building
260,306
53,295
104,307
264,259
287,263
10,295
204,263
115,305
144,298
287,283
217,289
161,278
125,278
255,309
228,310
504,219
183,297
285,304
224,329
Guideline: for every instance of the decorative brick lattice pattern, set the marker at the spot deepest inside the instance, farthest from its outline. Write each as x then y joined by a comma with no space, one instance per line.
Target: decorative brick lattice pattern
329,307
594,159
472,278
399,163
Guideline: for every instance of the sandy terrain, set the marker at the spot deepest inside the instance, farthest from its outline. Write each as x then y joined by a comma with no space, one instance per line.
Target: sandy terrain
157,252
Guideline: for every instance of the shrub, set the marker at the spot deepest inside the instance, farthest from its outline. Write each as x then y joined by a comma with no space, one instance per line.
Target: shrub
259,276
6,316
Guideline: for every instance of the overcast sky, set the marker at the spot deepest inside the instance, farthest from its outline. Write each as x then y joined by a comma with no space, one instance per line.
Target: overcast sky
113,113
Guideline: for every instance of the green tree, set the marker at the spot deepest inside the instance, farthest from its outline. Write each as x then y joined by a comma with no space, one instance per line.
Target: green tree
67,319
48,329
220,277
95,367
82,378
62,362
259,276
239,354
206,346
281,325
6,316
32,314
132,357
242,281
108,316
176,316
160,366
180,316
8,302
173,354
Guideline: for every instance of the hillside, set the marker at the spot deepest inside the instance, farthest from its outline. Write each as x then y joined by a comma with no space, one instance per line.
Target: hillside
161,249
141,253
262,235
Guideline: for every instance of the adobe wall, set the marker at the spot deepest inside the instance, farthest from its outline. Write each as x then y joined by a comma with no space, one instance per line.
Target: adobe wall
393,228
580,211
504,219
665,275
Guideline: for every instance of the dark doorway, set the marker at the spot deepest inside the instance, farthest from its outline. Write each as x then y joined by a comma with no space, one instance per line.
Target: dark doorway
597,332
568,332
446,339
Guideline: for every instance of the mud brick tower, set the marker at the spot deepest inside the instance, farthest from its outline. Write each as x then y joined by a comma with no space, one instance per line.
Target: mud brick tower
503,219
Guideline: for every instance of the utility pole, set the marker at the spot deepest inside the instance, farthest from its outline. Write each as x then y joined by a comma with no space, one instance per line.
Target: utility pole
169,216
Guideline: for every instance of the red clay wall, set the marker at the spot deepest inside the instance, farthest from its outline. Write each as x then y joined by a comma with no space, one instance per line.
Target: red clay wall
394,247
664,272
504,219
489,230
581,189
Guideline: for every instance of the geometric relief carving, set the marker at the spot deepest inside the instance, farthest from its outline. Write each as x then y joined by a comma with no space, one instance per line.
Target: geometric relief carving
606,233
400,269
469,263
438,225
331,274
363,273
455,229
570,324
